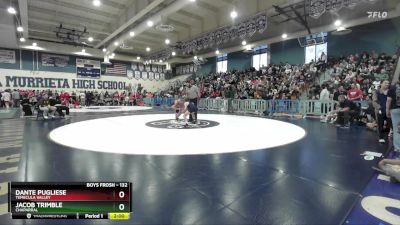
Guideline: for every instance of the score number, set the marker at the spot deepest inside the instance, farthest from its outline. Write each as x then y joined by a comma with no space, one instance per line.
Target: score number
122,195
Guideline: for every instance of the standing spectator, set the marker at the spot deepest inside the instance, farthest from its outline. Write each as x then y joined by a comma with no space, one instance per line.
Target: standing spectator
324,98
16,98
1,99
379,99
324,95
6,97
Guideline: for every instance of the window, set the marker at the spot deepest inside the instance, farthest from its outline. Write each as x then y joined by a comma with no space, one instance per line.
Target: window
222,63
313,52
260,57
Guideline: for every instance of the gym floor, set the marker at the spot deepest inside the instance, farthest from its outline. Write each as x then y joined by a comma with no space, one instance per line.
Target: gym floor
317,179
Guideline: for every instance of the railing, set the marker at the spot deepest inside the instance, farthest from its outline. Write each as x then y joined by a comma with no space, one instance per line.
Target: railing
271,107
158,101
259,106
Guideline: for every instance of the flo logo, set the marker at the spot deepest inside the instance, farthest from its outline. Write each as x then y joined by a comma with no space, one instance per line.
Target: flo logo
377,15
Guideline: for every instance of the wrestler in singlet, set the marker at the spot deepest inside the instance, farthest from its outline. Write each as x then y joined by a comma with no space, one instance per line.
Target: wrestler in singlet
179,107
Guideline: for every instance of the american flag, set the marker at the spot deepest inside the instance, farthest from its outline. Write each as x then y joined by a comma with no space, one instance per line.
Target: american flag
116,68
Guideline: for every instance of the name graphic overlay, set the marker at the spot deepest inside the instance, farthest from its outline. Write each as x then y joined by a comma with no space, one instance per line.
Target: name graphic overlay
91,200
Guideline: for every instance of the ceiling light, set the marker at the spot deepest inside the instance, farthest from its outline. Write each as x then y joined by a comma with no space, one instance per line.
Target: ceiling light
167,41
116,43
138,58
104,49
22,39
150,23
20,29
161,61
248,47
34,44
195,57
192,0
233,14
217,52
244,43
284,35
96,3
90,39
83,50
148,49
338,23
11,10
173,53
131,33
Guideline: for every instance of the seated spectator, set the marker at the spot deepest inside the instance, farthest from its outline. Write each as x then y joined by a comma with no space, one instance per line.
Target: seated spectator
26,107
45,106
346,112
354,94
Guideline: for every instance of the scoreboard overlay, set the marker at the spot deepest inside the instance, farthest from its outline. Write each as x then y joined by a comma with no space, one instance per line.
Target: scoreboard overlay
83,200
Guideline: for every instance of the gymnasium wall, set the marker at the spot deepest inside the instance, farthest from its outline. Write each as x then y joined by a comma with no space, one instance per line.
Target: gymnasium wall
28,65
287,51
42,80
380,36
209,67
239,61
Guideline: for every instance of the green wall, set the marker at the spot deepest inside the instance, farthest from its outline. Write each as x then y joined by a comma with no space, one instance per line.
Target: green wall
379,36
209,67
382,36
287,51
239,61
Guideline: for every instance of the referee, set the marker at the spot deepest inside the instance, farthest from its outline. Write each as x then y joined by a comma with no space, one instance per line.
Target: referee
193,93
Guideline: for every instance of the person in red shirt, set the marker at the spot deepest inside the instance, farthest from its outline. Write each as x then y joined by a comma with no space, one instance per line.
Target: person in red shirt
354,94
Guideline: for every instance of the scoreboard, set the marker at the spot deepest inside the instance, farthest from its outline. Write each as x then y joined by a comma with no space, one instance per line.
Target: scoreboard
90,200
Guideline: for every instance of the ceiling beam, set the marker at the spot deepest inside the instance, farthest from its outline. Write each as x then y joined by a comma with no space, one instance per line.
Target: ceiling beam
23,13
77,8
301,19
70,25
286,16
153,33
190,15
208,7
67,17
142,43
146,40
229,2
194,17
138,16
45,38
112,4
178,23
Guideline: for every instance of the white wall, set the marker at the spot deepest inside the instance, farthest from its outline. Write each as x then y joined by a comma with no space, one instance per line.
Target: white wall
39,80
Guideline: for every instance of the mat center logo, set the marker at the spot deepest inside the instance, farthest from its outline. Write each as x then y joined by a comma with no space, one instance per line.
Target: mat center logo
173,124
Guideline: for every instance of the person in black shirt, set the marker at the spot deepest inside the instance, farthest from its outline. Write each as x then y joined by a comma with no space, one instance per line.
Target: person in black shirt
347,110
56,102
26,106
340,91
45,106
